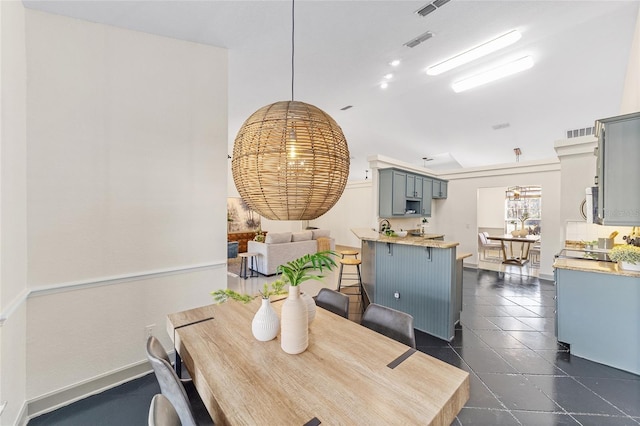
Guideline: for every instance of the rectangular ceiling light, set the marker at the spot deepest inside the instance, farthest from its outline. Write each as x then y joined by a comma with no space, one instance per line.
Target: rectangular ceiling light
493,74
475,53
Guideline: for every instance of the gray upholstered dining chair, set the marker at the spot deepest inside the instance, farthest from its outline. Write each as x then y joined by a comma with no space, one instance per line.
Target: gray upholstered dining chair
333,301
162,412
180,392
390,322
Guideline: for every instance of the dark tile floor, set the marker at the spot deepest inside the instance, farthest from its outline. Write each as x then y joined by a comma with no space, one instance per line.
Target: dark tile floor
519,374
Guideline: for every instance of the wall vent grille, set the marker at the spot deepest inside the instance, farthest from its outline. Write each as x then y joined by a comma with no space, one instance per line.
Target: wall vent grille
586,131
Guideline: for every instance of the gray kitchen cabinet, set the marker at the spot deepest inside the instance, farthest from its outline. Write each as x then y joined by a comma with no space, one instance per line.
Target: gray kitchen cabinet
427,191
597,314
618,174
439,188
391,200
403,194
414,186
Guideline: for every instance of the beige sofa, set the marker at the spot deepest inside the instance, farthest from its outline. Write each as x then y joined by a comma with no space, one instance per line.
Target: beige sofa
282,247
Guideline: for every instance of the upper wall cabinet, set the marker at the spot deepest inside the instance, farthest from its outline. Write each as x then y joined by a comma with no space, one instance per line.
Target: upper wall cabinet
405,194
618,174
439,188
427,191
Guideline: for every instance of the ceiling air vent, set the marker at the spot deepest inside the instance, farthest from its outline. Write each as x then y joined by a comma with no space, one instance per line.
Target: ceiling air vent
425,10
440,3
500,126
587,131
416,41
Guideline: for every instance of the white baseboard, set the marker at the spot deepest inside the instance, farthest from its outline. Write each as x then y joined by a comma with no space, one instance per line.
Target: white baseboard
70,394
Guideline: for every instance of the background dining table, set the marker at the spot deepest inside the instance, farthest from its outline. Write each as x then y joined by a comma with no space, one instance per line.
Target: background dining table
510,257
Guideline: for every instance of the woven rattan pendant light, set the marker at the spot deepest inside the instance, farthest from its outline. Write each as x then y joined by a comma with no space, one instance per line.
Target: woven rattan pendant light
290,159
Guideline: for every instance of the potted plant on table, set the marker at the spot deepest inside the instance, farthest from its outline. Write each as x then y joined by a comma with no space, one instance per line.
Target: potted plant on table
627,255
294,333
265,324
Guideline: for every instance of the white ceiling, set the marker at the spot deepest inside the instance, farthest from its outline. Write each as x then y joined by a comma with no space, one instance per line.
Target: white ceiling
342,51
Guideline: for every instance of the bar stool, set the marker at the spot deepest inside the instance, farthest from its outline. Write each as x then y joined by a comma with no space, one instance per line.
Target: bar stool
243,265
353,253
354,276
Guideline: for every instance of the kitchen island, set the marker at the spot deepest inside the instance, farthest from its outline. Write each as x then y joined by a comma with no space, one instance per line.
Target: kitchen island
419,275
598,312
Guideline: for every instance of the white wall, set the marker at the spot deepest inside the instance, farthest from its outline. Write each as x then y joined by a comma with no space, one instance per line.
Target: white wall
490,202
631,93
13,227
351,211
127,141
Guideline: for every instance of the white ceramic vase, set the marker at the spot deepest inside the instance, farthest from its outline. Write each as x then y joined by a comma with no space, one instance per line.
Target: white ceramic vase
294,330
630,266
311,306
265,324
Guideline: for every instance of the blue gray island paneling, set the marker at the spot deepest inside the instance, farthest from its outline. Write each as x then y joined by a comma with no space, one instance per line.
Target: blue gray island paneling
417,275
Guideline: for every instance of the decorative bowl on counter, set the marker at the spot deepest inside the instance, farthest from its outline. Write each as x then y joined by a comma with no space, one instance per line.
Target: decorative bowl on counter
401,233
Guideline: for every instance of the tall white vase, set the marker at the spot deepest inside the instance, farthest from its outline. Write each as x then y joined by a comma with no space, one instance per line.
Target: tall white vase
294,333
265,324
311,306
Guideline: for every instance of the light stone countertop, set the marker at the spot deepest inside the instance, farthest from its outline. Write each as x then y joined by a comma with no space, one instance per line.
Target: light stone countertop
426,240
593,266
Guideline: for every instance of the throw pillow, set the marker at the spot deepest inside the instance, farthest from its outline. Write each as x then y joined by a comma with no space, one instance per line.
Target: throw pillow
301,236
320,233
278,237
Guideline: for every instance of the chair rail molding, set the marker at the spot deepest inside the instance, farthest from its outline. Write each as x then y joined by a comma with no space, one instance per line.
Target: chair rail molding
102,281
13,306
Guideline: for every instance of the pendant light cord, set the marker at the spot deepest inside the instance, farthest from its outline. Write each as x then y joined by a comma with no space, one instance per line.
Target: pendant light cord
293,26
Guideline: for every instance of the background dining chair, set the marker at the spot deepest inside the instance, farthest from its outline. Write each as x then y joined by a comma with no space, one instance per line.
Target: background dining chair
180,392
390,322
484,244
333,301
162,412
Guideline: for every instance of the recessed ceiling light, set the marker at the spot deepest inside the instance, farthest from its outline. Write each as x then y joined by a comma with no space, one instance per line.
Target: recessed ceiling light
493,74
395,62
388,76
475,53
384,85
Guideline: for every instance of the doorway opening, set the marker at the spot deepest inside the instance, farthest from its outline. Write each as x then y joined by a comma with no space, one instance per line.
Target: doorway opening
513,211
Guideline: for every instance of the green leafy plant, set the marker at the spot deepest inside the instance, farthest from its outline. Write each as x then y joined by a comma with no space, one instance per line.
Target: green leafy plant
222,295
268,290
273,289
302,269
625,253
259,236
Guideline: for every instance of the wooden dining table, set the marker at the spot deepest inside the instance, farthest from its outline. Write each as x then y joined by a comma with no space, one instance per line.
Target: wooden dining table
509,256
348,375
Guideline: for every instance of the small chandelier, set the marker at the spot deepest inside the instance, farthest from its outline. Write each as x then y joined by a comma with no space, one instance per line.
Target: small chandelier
290,159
